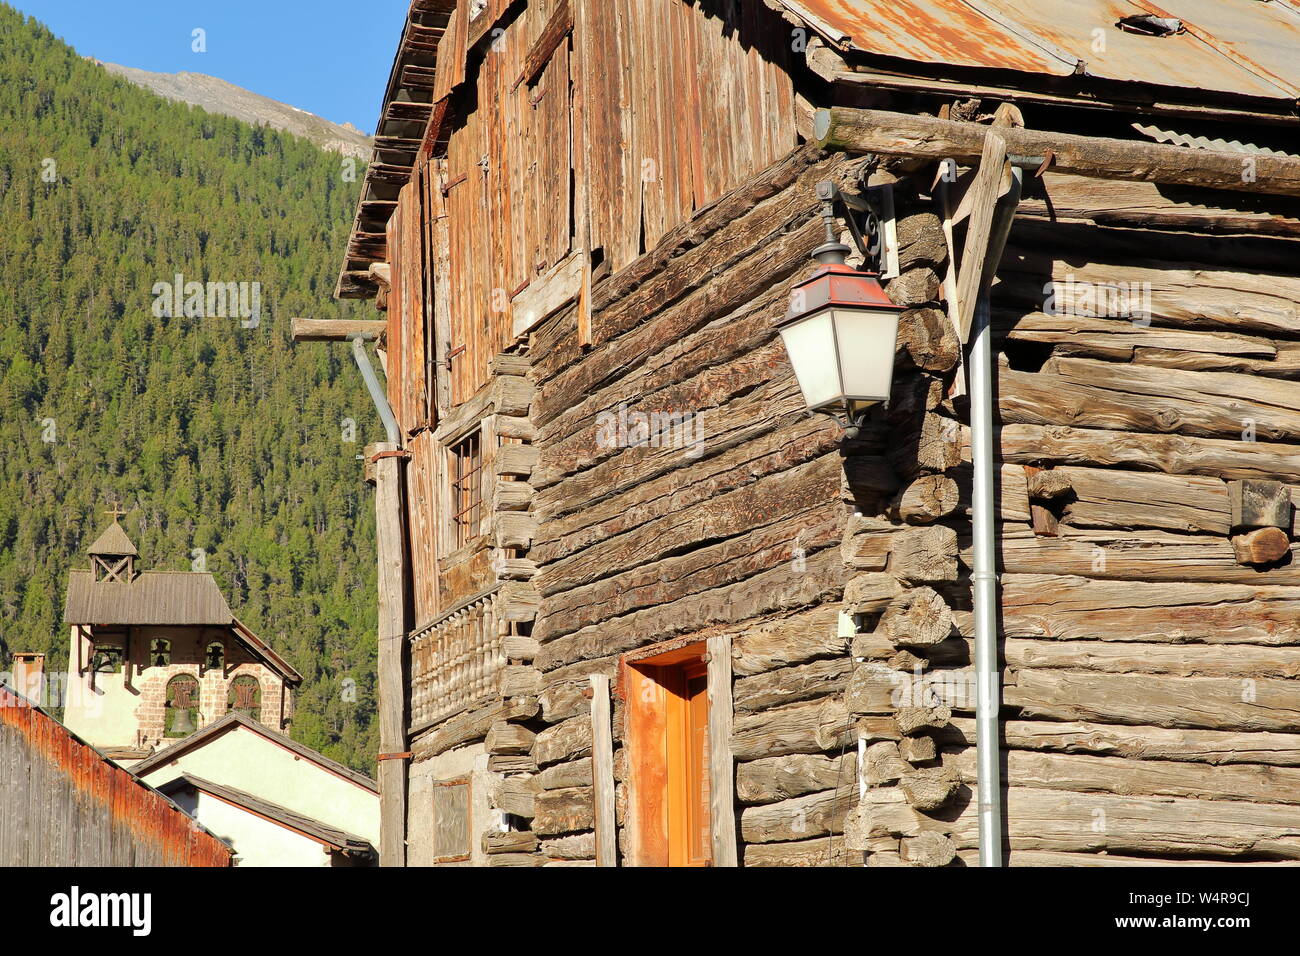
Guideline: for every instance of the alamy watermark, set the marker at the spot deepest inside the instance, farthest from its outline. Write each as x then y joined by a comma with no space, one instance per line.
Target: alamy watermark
1119,300
622,428
208,300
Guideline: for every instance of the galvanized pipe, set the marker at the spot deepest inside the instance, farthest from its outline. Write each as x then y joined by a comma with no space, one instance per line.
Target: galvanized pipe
376,391
984,577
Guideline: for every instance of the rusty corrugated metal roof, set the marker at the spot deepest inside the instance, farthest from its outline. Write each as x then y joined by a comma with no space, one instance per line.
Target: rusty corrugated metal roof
1240,47
177,598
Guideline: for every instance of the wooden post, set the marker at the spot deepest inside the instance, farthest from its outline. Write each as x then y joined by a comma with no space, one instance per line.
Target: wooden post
602,770
392,636
722,775
976,262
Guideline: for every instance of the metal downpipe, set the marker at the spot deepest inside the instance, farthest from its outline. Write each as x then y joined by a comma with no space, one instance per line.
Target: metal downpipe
984,576
376,391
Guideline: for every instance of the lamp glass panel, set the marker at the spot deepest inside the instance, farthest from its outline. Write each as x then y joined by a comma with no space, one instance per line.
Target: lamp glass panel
867,339
810,343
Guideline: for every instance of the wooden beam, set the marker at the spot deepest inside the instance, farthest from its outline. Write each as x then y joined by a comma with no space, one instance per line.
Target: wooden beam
979,257
722,776
392,637
336,330
602,771
901,134
540,53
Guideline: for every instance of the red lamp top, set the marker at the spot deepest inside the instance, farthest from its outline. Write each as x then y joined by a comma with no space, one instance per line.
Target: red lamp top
836,284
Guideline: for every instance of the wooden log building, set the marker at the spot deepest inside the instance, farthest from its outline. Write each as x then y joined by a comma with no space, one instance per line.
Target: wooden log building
640,607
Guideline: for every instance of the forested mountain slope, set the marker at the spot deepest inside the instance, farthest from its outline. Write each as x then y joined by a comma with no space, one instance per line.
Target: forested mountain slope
223,442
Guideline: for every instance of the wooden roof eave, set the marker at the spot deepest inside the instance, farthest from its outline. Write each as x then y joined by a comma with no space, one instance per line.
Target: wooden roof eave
404,119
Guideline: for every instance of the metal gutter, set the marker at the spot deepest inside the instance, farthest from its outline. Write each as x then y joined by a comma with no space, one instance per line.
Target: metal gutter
376,391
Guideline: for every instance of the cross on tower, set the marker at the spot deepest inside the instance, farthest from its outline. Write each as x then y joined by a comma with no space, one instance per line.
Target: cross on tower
115,512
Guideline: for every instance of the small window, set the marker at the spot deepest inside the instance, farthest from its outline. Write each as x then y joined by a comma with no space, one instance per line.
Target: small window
182,706
107,660
160,653
466,489
451,824
214,658
245,696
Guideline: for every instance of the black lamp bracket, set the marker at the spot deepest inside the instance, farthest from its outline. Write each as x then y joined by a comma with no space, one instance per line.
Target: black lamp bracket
870,218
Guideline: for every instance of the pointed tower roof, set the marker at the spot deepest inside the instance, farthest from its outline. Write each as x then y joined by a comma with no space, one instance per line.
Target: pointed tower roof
113,542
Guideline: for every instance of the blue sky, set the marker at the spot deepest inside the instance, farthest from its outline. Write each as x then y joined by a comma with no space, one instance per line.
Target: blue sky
329,57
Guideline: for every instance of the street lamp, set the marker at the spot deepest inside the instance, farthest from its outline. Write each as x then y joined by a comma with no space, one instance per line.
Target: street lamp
840,332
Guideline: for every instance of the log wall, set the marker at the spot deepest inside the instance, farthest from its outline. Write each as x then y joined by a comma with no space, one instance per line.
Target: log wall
1149,634
1149,637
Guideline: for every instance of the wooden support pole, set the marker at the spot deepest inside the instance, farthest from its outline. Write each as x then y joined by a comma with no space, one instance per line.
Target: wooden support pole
602,771
979,259
392,637
901,134
722,771
336,330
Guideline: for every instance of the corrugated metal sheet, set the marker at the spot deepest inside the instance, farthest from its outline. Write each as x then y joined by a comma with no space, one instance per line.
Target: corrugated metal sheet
1179,138
179,598
62,803
928,31
1231,46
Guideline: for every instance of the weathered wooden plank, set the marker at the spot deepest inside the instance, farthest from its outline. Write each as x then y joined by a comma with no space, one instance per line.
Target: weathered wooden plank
782,588
771,779
1062,608
563,741
658,582
563,811
1088,774
820,851
1061,820
819,679
1142,742
795,639
1148,205
904,134
1198,296
1084,392
722,776
602,771
1119,337
1172,454
798,818
1120,499
1178,660
393,627
1213,703
336,330
810,727
1041,858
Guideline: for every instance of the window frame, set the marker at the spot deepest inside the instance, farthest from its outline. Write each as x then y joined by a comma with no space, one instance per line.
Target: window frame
465,487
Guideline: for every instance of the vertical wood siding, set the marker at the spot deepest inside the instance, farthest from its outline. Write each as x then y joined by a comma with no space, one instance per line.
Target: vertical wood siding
648,111
62,804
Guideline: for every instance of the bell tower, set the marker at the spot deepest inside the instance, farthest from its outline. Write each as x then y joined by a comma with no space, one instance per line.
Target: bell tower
112,555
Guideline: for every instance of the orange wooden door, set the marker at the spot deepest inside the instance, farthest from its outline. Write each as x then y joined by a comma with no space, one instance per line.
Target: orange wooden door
687,752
